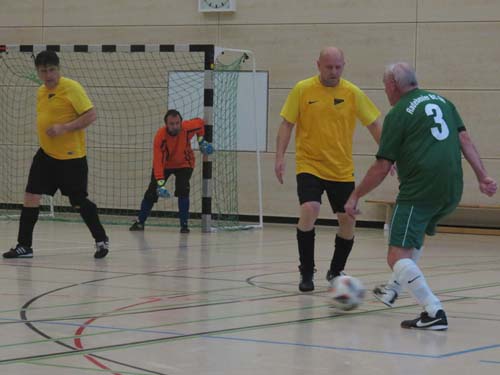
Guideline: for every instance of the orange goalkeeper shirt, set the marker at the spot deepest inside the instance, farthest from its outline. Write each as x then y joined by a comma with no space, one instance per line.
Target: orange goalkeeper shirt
173,152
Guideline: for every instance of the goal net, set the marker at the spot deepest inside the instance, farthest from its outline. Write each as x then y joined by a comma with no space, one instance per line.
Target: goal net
131,88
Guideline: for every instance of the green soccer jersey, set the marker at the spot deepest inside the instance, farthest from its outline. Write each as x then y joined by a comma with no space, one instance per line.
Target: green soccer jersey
420,134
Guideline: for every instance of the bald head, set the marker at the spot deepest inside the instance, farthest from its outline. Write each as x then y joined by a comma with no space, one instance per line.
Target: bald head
331,52
330,65
399,78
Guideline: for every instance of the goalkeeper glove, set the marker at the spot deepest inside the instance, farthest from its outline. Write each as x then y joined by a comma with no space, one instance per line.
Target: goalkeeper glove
161,190
205,147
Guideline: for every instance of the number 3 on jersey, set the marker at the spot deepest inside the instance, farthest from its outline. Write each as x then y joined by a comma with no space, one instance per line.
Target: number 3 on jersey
434,111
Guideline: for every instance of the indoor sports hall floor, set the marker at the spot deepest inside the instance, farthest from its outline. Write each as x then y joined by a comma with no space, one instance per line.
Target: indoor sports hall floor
227,303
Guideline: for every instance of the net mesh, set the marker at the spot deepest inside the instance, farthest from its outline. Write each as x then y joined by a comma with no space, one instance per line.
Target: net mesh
131,93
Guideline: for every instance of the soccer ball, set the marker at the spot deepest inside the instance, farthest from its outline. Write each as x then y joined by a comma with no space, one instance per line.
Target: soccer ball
347,292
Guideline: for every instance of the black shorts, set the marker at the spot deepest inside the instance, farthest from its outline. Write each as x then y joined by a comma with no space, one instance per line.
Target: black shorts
182,185
48,174
310,189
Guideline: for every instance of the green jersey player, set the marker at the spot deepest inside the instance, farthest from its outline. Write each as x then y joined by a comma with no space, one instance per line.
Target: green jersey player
424,134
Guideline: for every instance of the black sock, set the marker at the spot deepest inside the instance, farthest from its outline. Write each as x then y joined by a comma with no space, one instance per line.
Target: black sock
305,241
343,248
88,212
29,217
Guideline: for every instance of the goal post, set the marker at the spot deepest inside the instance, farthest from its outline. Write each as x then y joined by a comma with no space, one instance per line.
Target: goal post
129,86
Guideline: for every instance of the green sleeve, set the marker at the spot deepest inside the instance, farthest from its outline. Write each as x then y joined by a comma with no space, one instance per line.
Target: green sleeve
391,139
457,120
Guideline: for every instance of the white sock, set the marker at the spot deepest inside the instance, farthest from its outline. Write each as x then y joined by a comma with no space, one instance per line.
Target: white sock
410,276
392,283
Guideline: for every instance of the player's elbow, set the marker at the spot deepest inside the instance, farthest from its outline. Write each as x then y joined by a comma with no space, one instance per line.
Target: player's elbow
383,167
91,115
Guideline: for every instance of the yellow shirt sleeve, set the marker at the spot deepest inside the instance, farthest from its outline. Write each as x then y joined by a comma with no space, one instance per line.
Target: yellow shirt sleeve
366,111
79,99
290,110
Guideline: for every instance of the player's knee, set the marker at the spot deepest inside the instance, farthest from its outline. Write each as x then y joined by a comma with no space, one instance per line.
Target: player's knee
395,254
80,202
311,208
32,200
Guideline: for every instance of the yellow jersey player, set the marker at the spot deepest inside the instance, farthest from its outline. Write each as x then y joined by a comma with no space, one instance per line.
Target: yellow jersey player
325,109
63,112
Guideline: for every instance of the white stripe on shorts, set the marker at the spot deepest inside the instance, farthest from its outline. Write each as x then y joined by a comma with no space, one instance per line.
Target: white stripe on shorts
407,225
392,221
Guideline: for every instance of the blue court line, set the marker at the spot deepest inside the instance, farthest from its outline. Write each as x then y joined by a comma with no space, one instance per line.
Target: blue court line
340,348
478,349
490,362
272,342
416,355
94,326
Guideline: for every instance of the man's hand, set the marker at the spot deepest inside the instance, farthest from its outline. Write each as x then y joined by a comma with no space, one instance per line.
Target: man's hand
55,130
161,190
394,170
351,207
206,148
279,169
488,186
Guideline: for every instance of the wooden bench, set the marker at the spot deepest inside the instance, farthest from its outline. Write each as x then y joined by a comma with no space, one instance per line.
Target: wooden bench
389,206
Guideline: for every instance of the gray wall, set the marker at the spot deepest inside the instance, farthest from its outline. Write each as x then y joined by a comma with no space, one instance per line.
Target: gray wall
451,42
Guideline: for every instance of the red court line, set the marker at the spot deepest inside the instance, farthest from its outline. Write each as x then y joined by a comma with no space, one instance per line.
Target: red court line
79,331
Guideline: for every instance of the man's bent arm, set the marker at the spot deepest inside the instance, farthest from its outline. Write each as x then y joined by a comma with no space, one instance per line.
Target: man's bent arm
375,129
282,141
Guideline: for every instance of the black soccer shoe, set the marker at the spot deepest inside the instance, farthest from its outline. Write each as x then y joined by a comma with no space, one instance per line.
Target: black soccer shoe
438,323
306,281
19,252
330,275
136,227
102,249
185,229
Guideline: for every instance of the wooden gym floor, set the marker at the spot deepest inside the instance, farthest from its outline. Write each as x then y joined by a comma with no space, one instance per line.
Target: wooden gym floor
227,303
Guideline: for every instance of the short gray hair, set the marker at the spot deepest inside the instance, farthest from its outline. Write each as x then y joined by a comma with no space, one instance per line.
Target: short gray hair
404,75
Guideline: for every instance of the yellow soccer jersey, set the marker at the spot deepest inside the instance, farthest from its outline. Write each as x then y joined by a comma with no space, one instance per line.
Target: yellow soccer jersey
325,119
63,104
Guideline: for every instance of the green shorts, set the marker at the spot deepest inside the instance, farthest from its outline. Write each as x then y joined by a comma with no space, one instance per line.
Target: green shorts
411,222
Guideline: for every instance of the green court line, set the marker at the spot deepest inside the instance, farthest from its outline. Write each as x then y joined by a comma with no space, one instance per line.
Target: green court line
195,335
209,303
37,363
138,310
201,334
243,328
161,307
471,287
176,338
122,330
338,315
133,311
48,307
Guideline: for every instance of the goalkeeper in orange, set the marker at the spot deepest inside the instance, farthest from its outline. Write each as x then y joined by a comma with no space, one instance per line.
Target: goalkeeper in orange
173,155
